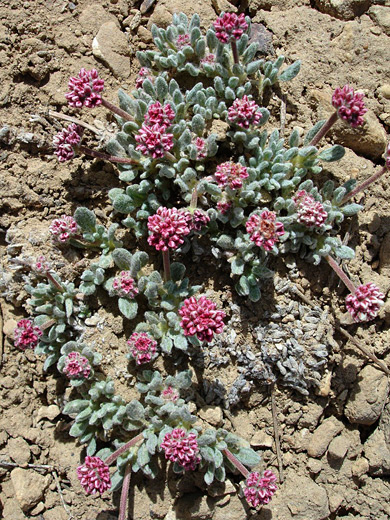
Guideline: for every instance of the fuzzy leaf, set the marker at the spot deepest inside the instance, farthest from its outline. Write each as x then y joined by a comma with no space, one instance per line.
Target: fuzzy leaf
151,443
122,258
123,203
334,153
313,132
248,457
135,410
86,219
75,407
177,271
161,88
351,209
207,453
209,475
237,265
143,456
291,71
128,308
180,342
344,252
166,345
78,429
198,124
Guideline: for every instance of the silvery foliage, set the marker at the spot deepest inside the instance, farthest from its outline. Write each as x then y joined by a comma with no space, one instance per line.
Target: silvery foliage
276,169
62,306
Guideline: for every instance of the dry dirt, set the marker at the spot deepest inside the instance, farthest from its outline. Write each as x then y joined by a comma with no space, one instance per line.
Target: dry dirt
335,443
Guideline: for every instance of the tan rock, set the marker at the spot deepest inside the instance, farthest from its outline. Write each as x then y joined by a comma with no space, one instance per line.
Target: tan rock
93,16
29,487
381,16
360,467
19,450
111,46
338,447
344,9
322,437
212,415
262,440
48,412
378,453
368,396
223,6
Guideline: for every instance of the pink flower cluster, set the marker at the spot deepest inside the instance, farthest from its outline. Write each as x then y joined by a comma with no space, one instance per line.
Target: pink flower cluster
201,318
365,302
63,228
41,265
259,490
350,105
153,138
65,141
168,227
201,148
76,366
181,447
84,89
170,394
388,157
230,27
310,212
26,335
224,206
123,285
264,230
182,40
162,115
244,112
209,59
144,73
94,475
231,174
199,219
142,347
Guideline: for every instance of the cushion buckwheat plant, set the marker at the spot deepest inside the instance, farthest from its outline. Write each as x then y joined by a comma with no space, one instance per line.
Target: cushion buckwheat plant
245,197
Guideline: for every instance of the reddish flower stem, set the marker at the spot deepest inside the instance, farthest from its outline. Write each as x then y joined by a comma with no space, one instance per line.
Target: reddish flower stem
364,184
125,493
236,463
324,129
340,273
167,265
235,52
112,458
116,110
56,284
105,157
47,325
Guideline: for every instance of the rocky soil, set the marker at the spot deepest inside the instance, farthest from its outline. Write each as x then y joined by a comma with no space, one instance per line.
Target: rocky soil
335,442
